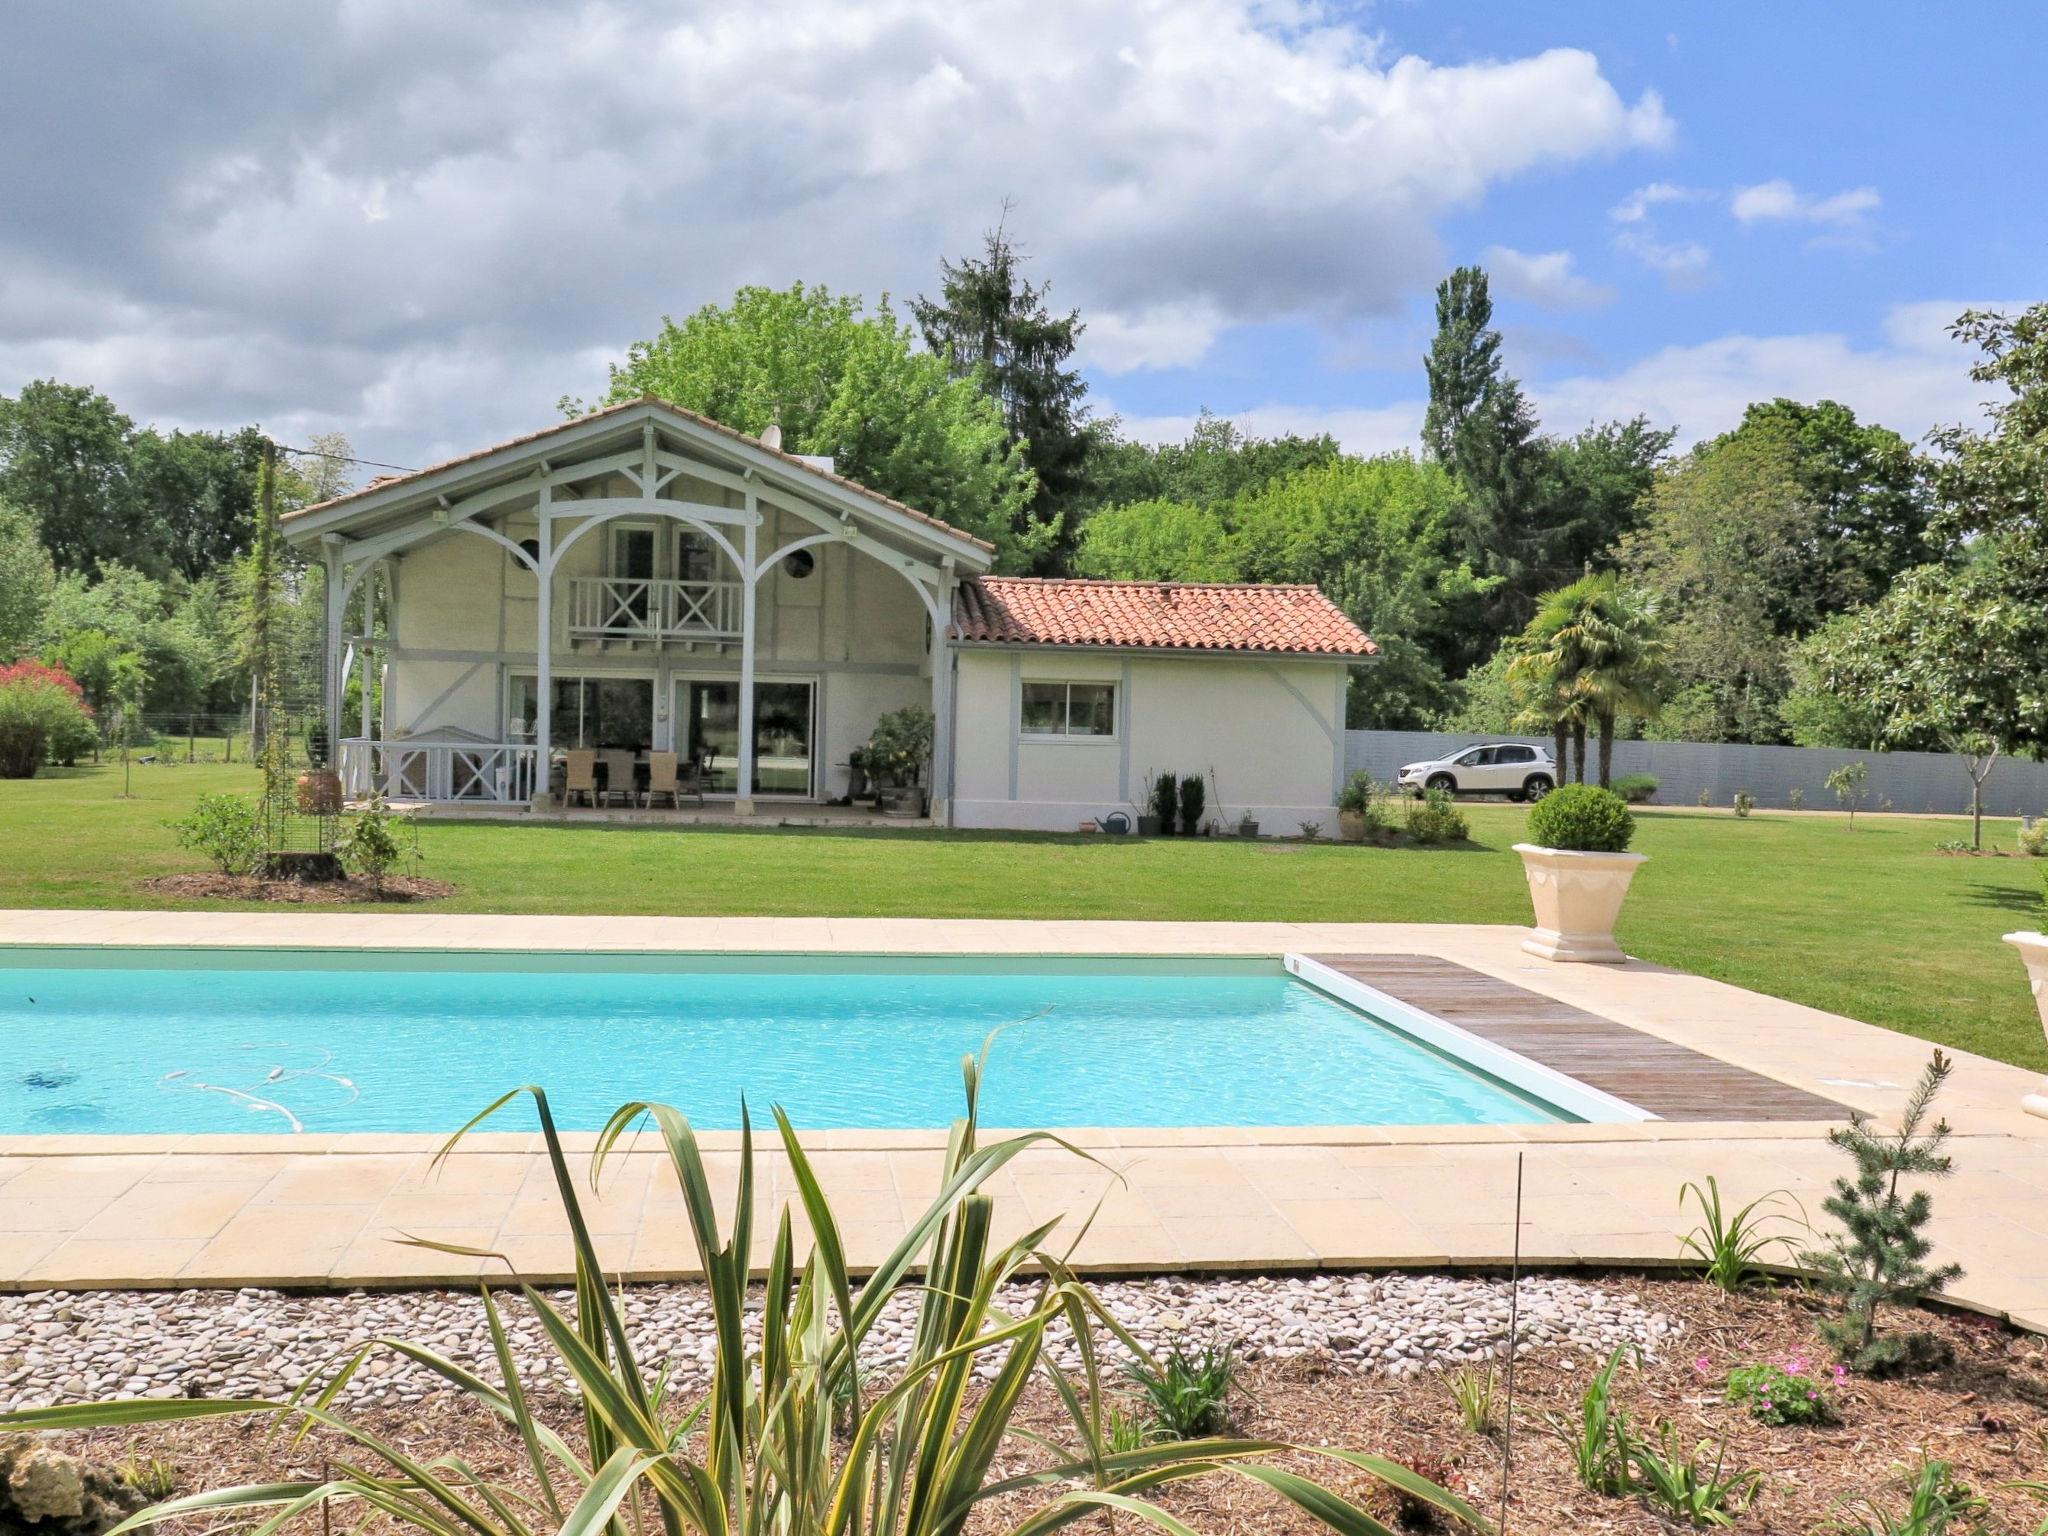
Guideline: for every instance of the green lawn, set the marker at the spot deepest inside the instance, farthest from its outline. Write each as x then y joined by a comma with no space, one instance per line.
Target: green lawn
1866,921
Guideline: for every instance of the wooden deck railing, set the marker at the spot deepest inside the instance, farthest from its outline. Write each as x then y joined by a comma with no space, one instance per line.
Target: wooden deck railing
475,772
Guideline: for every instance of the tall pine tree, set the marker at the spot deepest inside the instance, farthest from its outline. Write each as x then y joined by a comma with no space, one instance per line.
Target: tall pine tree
993,326
1479,425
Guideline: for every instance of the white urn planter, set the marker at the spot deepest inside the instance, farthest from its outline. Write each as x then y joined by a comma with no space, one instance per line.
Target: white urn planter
2033,948
1577,897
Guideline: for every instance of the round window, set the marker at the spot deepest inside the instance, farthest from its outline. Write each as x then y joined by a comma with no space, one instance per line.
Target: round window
800,564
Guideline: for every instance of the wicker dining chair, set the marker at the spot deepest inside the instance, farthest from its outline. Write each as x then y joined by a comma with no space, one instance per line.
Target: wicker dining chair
580,765
661,780
618,776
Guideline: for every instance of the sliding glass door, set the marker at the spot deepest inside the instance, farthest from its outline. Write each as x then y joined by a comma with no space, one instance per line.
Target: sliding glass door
784,728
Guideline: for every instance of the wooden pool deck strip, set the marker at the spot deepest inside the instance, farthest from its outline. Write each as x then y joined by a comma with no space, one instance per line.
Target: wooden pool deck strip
1671,1081
327,1211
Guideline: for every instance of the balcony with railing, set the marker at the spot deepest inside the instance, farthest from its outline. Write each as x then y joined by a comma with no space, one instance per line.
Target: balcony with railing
644,608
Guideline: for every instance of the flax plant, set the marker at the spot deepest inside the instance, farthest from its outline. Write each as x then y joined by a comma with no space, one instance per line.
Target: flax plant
757,1455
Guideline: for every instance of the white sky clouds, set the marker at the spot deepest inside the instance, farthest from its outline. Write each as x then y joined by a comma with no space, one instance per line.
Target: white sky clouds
1549,280
1917,378
425,224
1781,201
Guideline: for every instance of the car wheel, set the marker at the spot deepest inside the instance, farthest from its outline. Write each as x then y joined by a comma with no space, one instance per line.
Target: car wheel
1444,782
1537,786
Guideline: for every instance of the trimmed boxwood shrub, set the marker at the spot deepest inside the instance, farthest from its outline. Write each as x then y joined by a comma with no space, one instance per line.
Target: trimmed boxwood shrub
1582,818
1636,788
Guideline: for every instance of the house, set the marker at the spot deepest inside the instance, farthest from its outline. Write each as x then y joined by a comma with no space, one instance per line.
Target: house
700,591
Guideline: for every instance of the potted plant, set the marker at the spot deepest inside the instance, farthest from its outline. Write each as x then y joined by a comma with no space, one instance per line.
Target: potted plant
1579,869
1193,795
1165,807
1354,808
857,775
898,752
2033,948
1247,825
319,787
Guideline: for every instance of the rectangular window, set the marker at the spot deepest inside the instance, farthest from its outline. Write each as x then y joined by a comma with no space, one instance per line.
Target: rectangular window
587,711
1069,709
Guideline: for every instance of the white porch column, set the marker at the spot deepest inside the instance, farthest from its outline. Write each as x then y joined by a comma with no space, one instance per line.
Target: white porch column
331,687
942,708
363,647
544,657
749,551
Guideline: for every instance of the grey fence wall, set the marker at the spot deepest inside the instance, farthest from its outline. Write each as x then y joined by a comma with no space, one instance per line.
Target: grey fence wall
1910,781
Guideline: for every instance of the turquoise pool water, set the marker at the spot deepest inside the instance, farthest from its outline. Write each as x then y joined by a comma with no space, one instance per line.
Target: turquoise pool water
208,1043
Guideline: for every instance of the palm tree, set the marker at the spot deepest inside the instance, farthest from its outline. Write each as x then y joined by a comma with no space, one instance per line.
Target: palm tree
1591,655
1543,674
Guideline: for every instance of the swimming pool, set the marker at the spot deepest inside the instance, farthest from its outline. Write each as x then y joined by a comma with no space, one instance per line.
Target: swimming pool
196,1041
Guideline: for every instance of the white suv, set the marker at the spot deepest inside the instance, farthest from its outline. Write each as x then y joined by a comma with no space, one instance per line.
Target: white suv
1511,768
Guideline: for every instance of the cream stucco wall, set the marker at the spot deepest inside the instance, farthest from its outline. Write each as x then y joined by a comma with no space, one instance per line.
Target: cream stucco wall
1268,735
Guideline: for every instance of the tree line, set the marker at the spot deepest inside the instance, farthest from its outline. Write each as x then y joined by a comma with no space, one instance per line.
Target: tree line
1765,585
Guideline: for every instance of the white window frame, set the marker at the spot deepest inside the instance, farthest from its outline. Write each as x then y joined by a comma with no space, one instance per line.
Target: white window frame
613,566
578,675
1065,735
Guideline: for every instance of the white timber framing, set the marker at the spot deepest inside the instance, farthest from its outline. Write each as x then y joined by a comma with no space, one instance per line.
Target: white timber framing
550,489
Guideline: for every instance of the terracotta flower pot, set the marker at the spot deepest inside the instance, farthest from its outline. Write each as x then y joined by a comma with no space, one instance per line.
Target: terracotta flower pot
319,792
2033,948
1577,897
1351,826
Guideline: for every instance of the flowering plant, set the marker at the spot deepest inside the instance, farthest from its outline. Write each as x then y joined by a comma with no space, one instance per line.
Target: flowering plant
1792,1392
42,714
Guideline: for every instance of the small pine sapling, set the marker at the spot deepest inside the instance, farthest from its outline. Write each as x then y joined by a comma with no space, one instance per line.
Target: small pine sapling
1879,1257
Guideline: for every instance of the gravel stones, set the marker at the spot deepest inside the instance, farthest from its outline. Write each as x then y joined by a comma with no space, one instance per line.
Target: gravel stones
60,1346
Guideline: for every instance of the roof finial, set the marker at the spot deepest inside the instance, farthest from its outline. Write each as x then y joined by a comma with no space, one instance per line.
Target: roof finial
771,435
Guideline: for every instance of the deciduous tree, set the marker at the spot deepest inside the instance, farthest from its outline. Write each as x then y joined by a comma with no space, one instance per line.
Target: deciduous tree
840,381
1727,552
26,577
1157,541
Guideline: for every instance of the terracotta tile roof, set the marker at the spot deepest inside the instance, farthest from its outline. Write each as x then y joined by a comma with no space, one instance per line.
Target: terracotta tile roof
1154,615
386,482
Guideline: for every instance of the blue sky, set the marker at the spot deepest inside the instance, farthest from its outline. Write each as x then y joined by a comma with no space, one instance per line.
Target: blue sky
1926,107
424,225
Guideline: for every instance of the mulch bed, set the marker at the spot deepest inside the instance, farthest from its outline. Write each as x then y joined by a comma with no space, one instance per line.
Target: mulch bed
1987,1413
394,889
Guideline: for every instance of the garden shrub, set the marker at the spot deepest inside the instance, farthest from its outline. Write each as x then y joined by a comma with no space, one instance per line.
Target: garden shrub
2034,839
375,839
1357,793
1791,1393
1166,801
1363,796
42,715
1435,818
226,829
1744,802
1194,795
1637,788
1582,818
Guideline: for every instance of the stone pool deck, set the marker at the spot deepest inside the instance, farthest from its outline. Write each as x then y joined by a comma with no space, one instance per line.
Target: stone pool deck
325,1211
